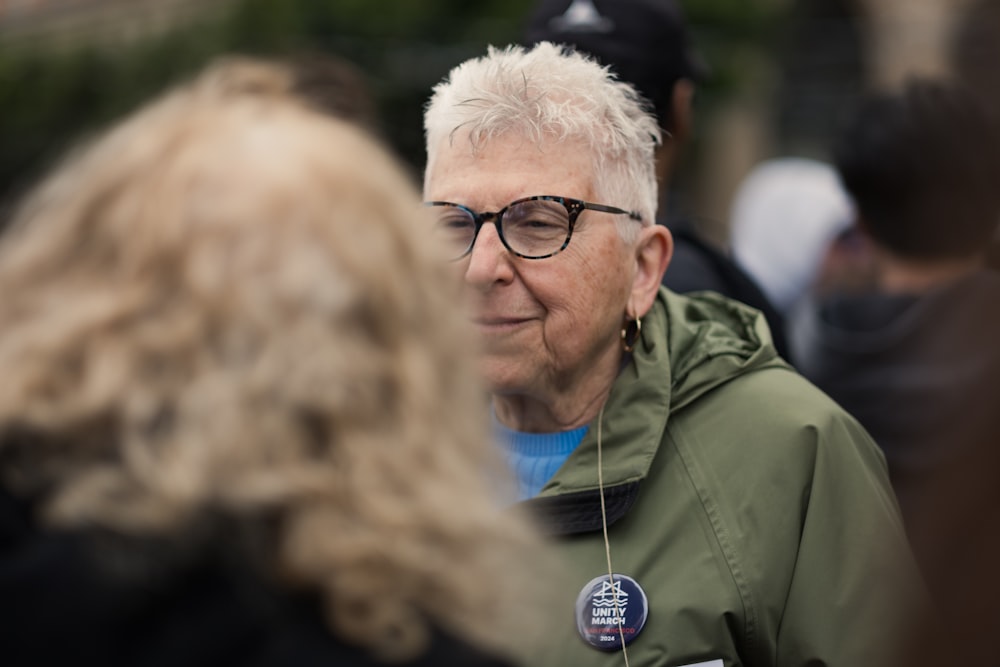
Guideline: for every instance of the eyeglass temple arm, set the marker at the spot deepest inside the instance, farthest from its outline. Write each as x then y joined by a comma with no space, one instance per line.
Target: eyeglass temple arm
612,209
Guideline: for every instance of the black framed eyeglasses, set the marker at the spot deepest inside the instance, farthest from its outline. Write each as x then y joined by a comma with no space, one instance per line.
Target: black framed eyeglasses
533,227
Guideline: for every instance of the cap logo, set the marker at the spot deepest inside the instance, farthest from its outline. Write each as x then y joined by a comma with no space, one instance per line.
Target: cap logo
582,16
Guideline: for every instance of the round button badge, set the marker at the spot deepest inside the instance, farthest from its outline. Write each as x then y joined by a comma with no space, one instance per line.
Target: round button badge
608,609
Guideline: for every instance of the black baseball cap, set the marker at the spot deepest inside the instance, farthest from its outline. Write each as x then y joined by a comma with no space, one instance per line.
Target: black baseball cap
645,42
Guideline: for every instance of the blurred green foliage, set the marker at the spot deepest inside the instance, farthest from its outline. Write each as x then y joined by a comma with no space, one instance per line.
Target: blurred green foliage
51,98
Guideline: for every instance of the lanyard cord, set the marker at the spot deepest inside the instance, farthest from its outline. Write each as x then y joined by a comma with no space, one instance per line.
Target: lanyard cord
607,543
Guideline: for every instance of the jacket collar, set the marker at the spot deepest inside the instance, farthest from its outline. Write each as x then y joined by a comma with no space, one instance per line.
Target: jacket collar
580,511
688,347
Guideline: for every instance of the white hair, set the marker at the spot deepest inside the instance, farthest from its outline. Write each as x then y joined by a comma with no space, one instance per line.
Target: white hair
550,93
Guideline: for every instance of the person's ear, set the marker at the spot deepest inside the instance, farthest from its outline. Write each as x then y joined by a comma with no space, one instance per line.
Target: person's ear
652,256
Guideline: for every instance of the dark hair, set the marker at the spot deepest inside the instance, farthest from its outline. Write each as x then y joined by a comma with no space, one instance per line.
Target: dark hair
923,168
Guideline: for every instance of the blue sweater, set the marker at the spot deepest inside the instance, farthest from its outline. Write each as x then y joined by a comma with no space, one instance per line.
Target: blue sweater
535,457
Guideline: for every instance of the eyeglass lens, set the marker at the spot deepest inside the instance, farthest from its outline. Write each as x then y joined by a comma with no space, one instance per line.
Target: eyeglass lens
530,228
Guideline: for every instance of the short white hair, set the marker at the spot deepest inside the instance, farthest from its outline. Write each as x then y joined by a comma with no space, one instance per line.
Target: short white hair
545,93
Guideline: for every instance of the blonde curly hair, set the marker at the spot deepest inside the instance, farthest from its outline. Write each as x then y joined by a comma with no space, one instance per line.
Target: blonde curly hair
228,304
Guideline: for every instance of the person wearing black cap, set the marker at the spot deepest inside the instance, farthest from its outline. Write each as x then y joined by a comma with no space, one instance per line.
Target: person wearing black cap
647,44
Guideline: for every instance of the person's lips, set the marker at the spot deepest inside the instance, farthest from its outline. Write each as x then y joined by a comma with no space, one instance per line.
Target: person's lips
498,323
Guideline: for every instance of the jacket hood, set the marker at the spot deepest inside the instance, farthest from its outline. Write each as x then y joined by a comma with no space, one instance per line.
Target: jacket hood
689,346
710,341
864,330
916,371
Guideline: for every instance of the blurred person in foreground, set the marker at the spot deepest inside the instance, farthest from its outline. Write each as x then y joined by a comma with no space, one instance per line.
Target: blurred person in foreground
239,419
916,358
648,45
711,505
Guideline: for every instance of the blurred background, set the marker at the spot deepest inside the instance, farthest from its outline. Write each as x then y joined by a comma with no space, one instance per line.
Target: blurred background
783,72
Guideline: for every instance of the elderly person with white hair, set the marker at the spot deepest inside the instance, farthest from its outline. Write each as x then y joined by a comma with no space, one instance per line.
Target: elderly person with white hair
713,506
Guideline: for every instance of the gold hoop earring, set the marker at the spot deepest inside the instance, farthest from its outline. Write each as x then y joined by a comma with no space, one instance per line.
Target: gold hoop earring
630,334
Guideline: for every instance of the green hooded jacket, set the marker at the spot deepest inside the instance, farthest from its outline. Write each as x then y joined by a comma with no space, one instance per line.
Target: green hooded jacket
755,514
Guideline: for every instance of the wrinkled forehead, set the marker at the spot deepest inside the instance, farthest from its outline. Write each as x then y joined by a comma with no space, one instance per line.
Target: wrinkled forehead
508,165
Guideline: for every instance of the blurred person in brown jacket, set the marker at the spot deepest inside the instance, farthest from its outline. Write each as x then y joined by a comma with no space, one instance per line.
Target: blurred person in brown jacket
915,357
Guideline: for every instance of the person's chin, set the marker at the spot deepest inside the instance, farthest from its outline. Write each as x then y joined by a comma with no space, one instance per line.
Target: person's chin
502,373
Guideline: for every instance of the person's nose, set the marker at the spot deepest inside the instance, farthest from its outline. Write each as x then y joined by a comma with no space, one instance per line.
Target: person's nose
489,262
